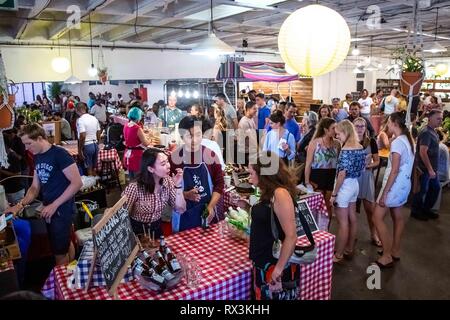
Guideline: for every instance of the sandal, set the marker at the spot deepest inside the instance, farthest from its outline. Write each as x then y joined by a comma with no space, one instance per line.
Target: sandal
336,259
383,266
349,254
377,243
396,259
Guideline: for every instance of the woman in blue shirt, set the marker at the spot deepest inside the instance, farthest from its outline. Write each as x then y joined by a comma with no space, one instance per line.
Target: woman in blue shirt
351,163
279,140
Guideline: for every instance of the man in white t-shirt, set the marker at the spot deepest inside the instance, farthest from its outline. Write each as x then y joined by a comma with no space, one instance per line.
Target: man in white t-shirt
390,103
88,129
365,102
98,110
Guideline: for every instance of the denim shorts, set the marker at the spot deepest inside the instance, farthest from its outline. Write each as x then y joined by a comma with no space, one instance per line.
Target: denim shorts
90,152
59,228
348,193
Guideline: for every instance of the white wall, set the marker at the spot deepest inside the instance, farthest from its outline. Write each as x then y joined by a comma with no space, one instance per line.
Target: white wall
342,80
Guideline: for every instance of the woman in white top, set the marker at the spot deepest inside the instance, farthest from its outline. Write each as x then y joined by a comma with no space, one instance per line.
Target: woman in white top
395,190
366,102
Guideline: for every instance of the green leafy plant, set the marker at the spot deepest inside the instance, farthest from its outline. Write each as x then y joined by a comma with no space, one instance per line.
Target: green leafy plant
409,61
54,89
101,72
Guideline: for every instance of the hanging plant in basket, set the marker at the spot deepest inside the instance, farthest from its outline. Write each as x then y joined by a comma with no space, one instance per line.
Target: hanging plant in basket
412,70
102,74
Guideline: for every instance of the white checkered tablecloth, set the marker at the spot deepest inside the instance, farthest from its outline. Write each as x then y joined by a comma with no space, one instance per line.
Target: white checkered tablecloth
226,271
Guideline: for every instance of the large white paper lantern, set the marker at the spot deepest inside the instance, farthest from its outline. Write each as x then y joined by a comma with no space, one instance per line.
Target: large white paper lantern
61,64
314,40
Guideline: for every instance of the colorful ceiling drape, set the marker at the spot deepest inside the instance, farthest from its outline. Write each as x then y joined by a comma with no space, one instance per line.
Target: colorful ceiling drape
255,71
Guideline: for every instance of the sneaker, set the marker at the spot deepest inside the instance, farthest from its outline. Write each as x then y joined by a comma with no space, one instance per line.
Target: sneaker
431,215
419,216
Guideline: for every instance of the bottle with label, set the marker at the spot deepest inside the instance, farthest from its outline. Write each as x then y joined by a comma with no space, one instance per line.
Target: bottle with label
151,275
205,214
172,261
162,245
161,268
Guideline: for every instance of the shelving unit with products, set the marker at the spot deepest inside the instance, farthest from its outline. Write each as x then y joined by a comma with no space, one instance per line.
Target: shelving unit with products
439,87
387,85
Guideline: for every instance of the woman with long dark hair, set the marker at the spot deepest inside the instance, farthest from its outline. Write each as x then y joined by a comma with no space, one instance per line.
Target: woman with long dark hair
324,112
278,193
366,181
321,160
395,190
153,190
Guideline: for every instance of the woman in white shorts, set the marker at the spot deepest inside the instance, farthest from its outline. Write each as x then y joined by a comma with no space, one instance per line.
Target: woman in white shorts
351,162
395,190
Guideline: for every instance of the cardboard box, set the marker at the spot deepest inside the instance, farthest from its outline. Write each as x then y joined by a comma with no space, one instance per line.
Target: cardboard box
11,243
53,130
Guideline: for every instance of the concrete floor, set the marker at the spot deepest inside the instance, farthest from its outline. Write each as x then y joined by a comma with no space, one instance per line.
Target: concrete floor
422,273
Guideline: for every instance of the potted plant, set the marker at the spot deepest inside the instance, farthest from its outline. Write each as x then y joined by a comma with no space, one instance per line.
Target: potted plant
102,74
412,68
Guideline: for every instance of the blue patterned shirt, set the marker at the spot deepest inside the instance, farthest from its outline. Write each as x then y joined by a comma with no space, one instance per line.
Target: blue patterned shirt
352,161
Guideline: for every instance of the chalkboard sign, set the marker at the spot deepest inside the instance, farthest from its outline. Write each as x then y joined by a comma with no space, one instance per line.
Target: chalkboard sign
306,211
115,244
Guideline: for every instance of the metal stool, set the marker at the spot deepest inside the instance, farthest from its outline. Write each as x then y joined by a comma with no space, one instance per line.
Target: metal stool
109,174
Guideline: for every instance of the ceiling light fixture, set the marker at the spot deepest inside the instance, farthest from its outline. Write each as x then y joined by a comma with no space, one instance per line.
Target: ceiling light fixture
72,79
355,51
92,71
371,66
60,64
212,46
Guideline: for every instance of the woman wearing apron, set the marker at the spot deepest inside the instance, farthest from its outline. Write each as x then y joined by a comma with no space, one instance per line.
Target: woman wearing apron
203,182
395,190
134,140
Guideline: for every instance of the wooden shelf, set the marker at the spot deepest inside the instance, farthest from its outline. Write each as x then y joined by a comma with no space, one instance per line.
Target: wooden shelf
436,90
436,81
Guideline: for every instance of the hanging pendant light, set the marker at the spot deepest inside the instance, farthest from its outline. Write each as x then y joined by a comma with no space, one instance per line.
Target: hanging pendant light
356,51
372,66
212,46
72,79
60,64
92,71
435,47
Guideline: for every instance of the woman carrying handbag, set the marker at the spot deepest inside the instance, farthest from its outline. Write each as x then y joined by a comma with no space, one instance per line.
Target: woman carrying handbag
273,279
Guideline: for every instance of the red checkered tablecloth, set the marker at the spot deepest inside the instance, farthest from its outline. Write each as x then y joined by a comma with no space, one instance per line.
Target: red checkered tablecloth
226,271
110,154
102,155
119,119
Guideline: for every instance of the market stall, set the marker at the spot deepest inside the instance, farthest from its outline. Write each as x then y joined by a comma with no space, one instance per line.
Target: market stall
222,264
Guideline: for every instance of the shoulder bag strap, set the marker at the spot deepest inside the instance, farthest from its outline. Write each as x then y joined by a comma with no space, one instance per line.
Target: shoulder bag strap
303,222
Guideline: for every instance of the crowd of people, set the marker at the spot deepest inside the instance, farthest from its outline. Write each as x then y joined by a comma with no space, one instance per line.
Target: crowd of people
333,151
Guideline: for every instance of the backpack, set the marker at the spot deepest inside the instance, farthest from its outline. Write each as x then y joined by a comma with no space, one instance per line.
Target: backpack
114,137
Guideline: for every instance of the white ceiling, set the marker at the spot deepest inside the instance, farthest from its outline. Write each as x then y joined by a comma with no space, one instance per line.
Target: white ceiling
180,24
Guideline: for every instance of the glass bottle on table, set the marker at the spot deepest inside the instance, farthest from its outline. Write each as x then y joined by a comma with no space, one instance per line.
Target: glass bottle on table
162,246
172,261
160,267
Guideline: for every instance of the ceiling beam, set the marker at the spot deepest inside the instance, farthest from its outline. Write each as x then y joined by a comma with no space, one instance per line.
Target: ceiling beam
60,28
144,8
